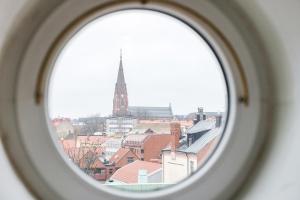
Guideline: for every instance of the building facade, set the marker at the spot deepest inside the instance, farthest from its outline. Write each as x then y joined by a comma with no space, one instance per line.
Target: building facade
183,160
147,147
151,113
120,125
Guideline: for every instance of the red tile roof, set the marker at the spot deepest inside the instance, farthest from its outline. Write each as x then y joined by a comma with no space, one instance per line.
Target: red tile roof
119,155
135,139
98,164
129,173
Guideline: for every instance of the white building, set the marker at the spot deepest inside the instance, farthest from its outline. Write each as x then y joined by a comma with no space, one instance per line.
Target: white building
185,160
120,125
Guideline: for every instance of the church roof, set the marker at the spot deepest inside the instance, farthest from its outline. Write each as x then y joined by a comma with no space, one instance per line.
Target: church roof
150,112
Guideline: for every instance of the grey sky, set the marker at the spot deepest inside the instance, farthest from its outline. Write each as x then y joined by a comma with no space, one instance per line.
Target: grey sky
164,62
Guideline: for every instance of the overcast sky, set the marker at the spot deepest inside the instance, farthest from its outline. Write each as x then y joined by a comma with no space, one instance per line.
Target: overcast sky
164,61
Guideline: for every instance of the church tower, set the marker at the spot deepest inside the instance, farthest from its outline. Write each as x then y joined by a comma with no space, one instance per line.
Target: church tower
120,102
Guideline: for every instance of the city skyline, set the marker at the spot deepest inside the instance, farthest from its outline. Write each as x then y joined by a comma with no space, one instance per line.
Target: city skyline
157,73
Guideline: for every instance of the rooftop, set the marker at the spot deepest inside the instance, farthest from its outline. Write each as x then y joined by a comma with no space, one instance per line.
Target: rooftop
135,138
155,127
201,126
119,155
208,114
129,173
202,141
150,112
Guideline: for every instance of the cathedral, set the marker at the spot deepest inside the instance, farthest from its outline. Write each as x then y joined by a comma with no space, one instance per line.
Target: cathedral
120,102
125,117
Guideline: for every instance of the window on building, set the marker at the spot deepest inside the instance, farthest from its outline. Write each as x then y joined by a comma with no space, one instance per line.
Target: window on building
99,171
130,159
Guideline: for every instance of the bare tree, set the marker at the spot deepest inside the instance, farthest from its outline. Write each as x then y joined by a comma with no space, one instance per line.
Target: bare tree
84,156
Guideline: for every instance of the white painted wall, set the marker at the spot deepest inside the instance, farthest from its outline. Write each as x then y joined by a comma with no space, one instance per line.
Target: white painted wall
277,174
176,167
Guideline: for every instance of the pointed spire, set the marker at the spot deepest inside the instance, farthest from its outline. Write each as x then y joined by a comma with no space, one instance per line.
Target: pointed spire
121,55
121,79
120,102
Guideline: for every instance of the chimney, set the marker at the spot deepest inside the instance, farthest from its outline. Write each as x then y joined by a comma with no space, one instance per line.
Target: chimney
218,121
199,115
175,135
200,109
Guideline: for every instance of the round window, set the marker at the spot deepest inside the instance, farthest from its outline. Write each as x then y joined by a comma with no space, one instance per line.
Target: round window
133,100
137,100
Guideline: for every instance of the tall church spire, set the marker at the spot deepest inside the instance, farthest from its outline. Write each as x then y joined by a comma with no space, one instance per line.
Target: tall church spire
121,55
121,79
120,103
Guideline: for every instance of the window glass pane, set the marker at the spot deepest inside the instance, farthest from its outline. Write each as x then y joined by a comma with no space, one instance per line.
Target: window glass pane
137,92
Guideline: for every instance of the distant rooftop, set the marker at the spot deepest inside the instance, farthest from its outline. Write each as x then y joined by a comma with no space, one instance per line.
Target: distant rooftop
202,141
201,126
119,155
135,139
150,112
155,127
208,114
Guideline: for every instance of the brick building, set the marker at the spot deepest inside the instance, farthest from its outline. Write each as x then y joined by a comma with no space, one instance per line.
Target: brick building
147,147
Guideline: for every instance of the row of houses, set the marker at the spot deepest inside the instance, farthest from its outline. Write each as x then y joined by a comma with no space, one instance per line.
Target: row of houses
149,156
113,153
178,160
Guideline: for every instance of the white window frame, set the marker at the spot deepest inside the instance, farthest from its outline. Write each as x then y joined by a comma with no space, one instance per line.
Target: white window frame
29,145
